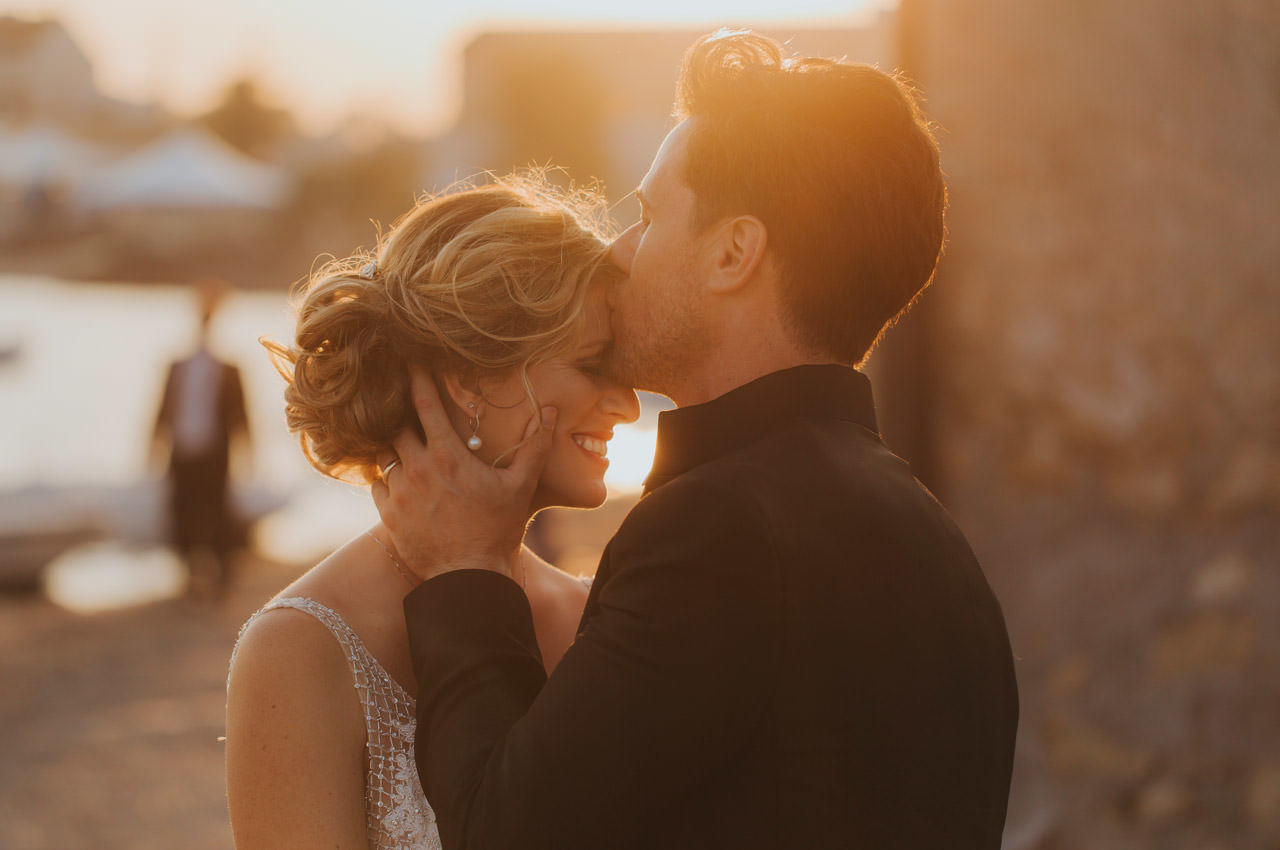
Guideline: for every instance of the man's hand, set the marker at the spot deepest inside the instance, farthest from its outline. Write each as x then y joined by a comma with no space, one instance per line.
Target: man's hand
445,508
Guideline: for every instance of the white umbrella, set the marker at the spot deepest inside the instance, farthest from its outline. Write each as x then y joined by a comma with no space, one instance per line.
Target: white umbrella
186,169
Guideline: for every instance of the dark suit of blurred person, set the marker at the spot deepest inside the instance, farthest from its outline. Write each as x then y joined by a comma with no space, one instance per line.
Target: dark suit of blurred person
201,412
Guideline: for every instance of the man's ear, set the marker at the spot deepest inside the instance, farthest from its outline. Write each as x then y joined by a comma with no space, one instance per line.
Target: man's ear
740,247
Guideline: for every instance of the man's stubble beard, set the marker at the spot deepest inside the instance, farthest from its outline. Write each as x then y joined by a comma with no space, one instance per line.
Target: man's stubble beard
660,350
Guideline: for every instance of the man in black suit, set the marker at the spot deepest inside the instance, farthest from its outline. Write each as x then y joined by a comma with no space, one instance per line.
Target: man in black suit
201,412
788,643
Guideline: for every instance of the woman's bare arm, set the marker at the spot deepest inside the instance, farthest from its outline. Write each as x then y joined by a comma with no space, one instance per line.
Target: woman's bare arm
295,739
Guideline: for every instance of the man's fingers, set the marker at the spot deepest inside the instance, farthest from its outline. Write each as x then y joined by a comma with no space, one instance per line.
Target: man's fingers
407,447
385,457
381,495
431,413
526,466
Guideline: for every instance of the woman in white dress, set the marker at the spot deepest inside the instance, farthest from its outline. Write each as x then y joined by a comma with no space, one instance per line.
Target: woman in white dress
500,292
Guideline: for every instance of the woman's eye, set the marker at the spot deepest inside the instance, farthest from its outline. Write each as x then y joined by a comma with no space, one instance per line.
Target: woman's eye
596,365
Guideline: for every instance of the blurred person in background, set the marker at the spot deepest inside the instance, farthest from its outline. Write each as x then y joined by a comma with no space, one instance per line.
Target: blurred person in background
202,412
498,291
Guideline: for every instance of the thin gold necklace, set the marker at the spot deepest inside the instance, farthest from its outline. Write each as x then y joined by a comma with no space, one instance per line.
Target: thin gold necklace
524,572
399,566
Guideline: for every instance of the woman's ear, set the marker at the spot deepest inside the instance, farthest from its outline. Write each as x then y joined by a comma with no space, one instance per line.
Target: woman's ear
463,392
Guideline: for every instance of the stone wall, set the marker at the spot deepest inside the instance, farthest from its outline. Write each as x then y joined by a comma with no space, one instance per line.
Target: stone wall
1105,358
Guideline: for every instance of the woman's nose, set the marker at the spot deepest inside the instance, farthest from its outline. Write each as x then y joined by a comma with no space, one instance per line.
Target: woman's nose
621,402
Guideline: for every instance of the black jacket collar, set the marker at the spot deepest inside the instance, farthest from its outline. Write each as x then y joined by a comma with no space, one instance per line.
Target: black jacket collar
690,436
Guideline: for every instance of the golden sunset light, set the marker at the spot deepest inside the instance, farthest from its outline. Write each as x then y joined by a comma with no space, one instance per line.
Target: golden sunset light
965,531
329,62
630,456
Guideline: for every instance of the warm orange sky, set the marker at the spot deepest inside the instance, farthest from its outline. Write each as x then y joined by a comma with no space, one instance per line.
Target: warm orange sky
325,58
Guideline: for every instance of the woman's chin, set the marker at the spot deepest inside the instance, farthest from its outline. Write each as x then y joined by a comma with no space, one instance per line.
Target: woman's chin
581,494
590,495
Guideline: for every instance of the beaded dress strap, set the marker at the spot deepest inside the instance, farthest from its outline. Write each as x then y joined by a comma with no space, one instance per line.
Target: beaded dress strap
359,658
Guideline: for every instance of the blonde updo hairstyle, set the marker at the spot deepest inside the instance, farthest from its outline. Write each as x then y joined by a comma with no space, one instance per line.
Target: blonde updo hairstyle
478,279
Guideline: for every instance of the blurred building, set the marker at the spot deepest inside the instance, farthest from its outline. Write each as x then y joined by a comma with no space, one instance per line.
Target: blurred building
597,103
44,75
56,128
1093,384
43,72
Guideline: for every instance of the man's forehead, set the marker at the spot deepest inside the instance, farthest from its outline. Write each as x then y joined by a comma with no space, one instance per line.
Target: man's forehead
666,170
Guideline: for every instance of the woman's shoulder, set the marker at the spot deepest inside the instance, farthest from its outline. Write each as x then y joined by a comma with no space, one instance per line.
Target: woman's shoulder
295,731
313,610
555,582
287,645
557,600
298,636
352,608
290,676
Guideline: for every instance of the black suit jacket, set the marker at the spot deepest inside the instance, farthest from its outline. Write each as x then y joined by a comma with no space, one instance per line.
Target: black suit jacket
231,417
788,644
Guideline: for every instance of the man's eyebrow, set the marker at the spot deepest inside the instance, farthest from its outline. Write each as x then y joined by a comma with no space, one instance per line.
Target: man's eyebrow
642,198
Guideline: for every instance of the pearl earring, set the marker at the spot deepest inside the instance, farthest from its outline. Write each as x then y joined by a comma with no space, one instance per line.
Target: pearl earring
474,442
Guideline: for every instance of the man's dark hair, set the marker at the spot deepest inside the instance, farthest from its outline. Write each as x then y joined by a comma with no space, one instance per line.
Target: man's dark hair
839,163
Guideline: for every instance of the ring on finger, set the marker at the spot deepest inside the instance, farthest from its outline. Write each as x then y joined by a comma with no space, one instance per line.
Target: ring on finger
391,464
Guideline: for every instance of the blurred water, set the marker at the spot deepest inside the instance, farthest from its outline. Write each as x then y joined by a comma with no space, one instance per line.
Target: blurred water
103,576
80,389
80,395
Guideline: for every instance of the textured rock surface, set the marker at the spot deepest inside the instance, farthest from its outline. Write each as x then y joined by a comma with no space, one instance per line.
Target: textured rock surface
1108,424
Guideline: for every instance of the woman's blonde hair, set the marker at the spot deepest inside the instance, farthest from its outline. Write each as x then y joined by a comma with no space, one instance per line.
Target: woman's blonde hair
478,279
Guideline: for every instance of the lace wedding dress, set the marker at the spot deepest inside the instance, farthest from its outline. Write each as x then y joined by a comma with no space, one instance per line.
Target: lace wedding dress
396,811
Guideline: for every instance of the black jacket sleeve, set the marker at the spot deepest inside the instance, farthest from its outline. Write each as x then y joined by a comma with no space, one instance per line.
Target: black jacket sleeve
665,683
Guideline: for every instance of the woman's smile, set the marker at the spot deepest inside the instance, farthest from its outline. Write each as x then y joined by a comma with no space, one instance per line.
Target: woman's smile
595,445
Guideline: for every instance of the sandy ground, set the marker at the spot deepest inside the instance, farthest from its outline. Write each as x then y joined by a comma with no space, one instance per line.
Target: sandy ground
109,723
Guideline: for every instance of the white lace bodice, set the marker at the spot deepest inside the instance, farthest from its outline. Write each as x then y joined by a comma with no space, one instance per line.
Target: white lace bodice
397,813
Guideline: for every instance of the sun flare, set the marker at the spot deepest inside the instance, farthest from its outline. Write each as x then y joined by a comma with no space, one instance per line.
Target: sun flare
630,457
